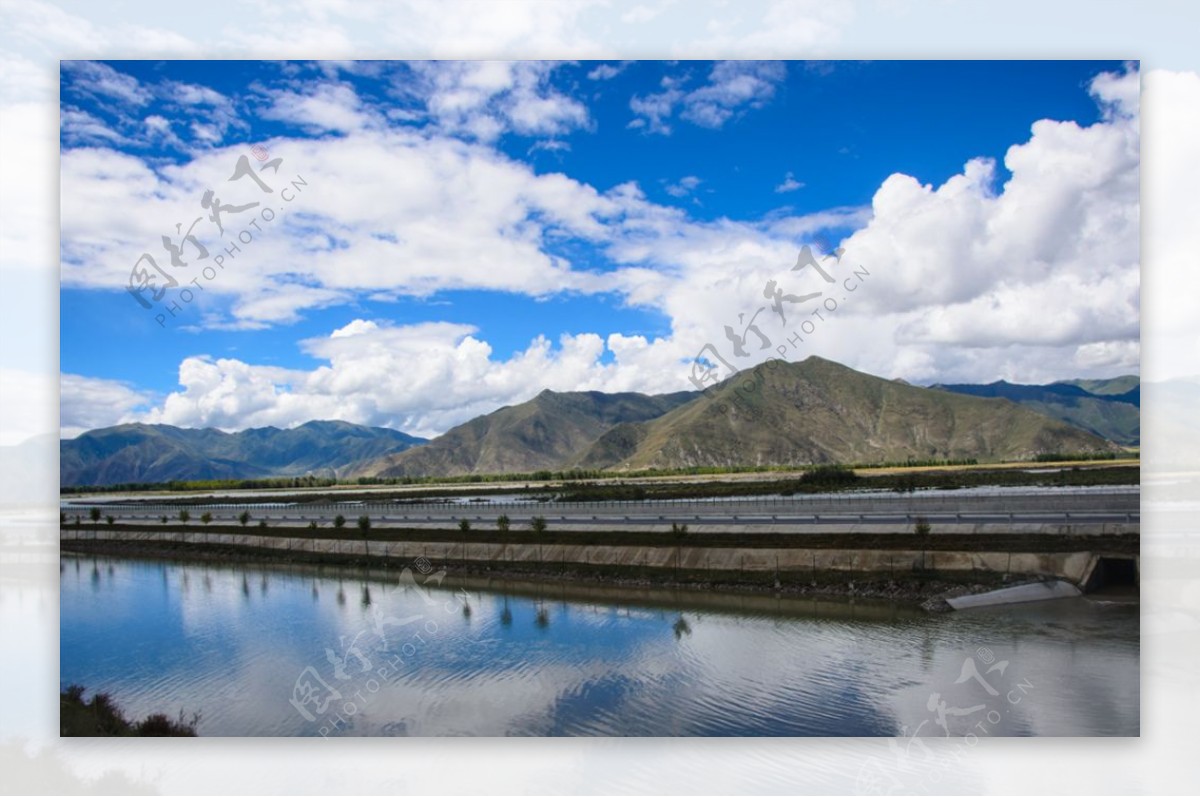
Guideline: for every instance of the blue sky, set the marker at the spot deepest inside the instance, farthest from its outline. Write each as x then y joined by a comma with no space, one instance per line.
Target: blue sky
468,233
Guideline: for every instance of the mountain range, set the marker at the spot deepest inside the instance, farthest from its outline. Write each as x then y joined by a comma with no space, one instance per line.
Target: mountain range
797,413
823,412
814,411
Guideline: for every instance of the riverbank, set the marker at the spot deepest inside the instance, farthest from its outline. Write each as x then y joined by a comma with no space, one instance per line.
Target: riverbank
287,539
906,586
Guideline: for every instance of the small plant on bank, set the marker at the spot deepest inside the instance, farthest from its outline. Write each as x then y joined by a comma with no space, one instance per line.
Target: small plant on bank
163,520
364,526
464,525
339,522
109,519
538,524
184,516
312,524
502,523
94,514
922,528
262,524
244,518
206,518
679,529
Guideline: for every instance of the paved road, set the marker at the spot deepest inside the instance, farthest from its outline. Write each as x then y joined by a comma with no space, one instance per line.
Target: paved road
829,510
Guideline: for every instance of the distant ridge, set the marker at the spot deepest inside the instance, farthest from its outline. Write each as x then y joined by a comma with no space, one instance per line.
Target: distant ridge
1110,408
134,453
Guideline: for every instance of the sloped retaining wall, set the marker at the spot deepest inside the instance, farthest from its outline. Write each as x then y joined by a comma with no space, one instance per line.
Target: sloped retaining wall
1073,566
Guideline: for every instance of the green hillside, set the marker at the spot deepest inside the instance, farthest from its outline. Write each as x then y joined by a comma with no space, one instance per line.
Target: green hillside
818,411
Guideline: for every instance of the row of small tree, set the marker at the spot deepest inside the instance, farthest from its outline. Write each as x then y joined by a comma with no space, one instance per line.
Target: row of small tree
503,524
184,516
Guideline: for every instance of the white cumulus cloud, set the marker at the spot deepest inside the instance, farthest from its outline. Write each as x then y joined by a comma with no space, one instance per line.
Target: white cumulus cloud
732,88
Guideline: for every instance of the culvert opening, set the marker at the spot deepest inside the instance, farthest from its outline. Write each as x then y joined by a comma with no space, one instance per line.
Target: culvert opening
1113,574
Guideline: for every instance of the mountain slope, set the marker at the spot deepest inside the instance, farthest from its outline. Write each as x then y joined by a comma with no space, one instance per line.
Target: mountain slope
547,432
1106,407
1106,387
820,411
159,453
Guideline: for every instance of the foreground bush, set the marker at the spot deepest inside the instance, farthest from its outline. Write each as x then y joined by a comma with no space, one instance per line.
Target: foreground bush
100,716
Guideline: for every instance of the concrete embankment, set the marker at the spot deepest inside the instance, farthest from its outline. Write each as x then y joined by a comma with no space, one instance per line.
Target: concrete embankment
784,558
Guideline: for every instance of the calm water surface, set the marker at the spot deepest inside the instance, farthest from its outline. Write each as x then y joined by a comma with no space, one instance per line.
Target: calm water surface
286,652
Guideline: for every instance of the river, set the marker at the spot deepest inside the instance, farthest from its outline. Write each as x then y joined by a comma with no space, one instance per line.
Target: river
279,651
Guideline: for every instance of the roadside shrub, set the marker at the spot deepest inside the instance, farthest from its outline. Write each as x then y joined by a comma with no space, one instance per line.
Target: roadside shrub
828,476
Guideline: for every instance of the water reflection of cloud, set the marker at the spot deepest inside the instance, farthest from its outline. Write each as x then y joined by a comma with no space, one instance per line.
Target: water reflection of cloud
1071,672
